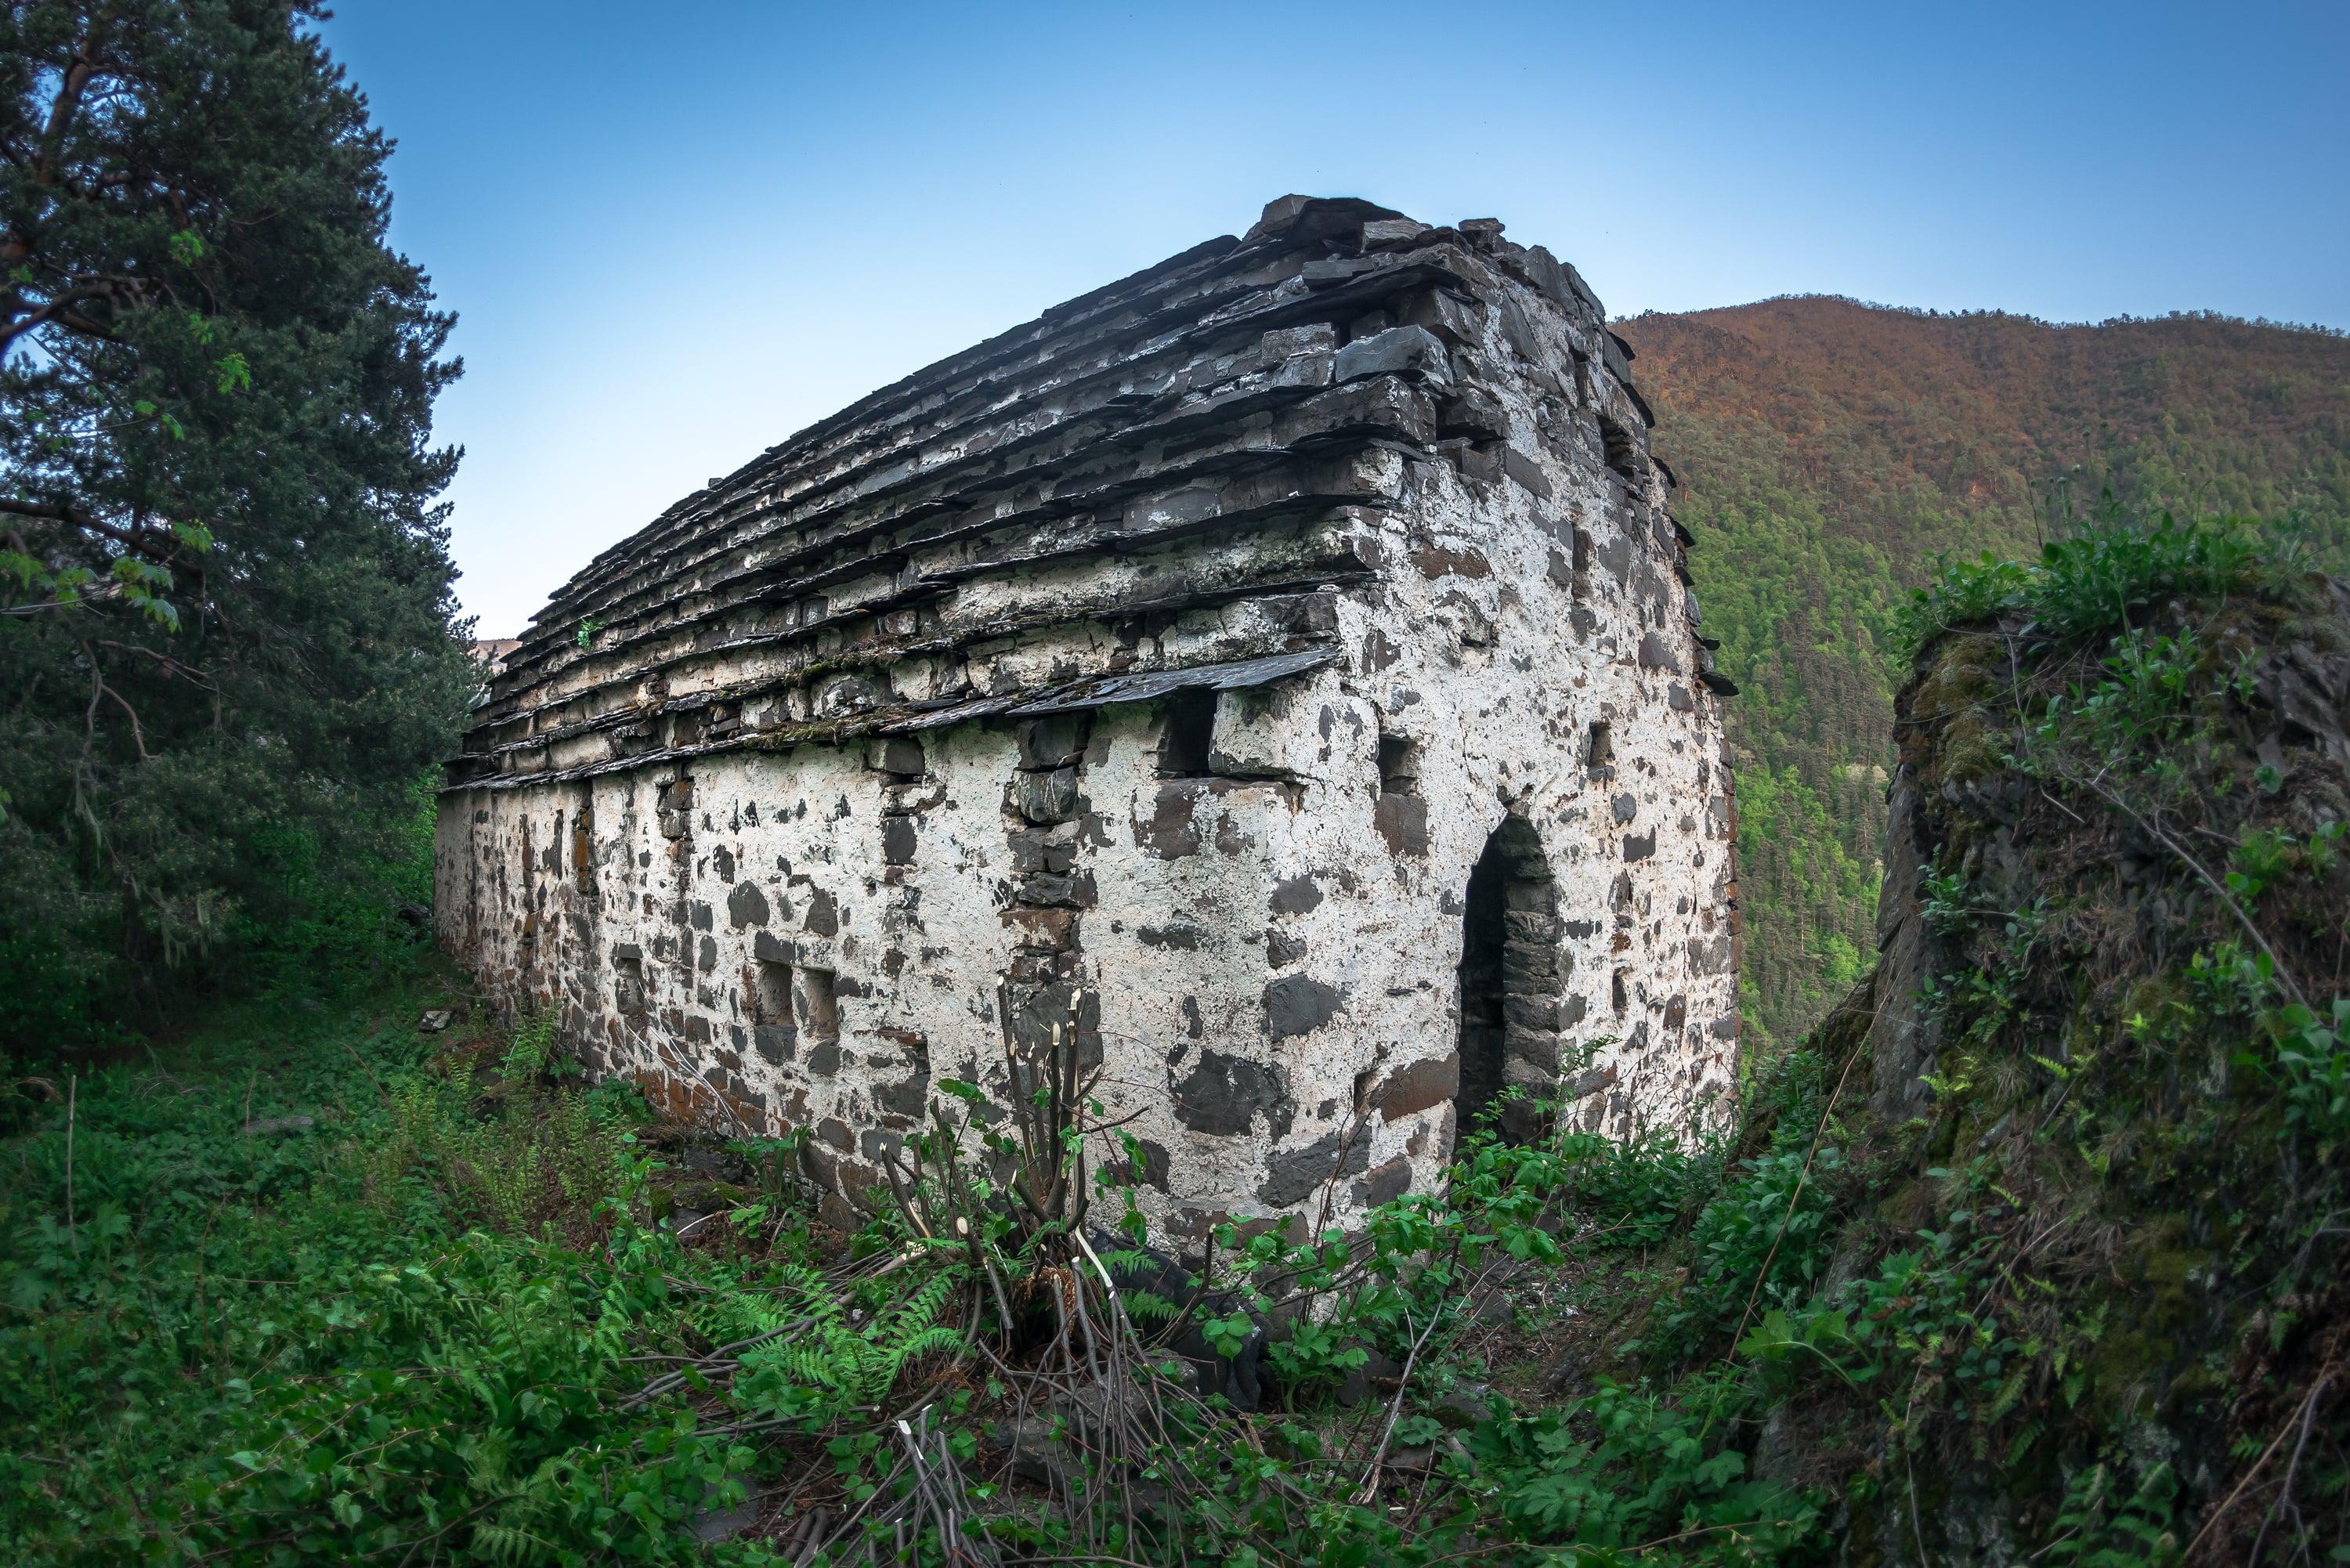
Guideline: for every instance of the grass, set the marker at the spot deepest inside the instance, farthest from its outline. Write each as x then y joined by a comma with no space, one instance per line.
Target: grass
312,1285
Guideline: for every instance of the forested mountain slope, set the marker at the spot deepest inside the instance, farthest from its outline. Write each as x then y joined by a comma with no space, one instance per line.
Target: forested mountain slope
1827,449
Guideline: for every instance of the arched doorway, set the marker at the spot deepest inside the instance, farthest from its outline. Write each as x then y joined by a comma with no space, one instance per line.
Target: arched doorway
1510,982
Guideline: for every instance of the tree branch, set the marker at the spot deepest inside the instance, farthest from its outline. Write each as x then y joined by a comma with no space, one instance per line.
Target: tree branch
141,541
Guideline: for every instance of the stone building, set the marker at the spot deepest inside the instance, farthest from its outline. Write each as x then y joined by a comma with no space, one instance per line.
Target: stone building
1278,666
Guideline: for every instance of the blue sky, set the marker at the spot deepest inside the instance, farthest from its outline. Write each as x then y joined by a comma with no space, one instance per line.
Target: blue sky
675,234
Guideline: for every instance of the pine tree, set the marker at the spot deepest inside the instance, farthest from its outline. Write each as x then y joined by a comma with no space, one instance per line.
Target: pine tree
227,654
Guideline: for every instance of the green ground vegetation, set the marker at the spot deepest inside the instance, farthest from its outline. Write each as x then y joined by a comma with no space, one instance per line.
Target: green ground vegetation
2062,1284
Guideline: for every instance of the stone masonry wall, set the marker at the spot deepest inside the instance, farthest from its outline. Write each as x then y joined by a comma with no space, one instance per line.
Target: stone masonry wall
1164,670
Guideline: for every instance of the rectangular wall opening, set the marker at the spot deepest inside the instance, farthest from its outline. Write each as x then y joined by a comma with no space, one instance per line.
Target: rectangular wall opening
1617,443
1620,990
1399,764
628,984
816,1004
1187,733
770,997
1599,749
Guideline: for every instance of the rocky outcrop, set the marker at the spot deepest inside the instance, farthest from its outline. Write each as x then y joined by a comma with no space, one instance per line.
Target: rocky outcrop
2092,1097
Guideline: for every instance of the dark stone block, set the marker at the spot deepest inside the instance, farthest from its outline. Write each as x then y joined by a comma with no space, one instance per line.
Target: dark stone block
1045,931
908,1097
1224,1095
1045,797
1588,1081
1038,1011
1181,936
823,918
776,1043
1297,1005
901,755
1538,1048
1293,1176
1654,654
1640,847
1384,1185
746,905
1399,351
1154,1168
1532,960
1417,1086
1047,890
898,840
1035,849
1533,1012
1525,470
1402,821
1056,740
1532,926
1295,895
768,948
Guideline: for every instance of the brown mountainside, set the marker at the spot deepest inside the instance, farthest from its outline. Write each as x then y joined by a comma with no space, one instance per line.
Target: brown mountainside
1828,450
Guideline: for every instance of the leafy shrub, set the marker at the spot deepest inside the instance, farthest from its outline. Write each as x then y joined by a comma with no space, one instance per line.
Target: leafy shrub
1613,1472
2094,583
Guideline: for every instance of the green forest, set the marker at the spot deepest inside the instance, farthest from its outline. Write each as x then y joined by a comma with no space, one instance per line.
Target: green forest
1829,453
2023,1243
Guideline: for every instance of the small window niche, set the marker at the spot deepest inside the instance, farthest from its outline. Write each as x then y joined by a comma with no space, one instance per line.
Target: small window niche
1620,990
1187,733
771,999
816,1003
583,848
1599,747
628,986
1399,764
1615,443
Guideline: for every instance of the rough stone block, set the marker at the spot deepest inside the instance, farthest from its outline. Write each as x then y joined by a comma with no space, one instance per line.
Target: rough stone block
1055,741
1525,470
1398,351
1471,414
1226,1095
897,755
1292,1176
1384,1184
1418,1085
1045,797
1287,342
1297,1005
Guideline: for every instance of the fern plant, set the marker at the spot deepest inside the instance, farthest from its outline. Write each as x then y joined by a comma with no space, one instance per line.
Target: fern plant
838,1366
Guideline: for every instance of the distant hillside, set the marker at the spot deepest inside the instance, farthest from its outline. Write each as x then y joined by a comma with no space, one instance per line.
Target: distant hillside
1827,449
